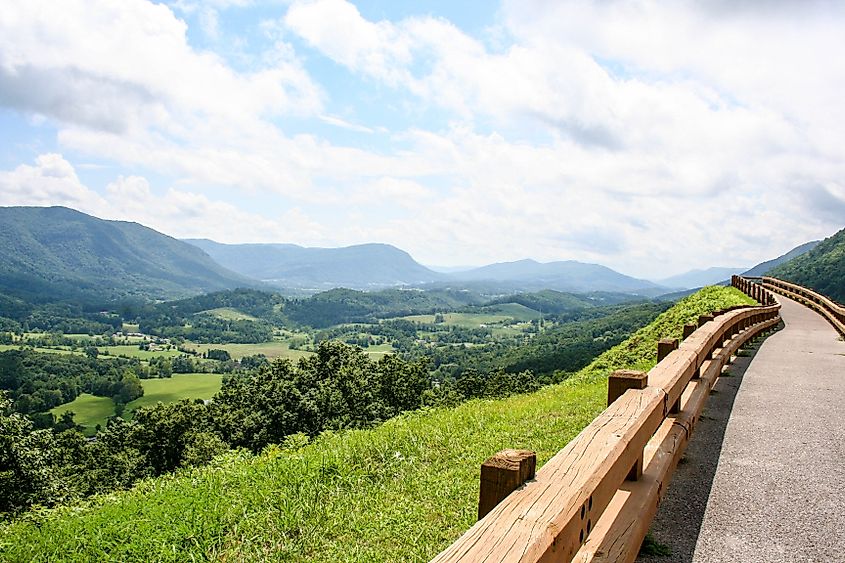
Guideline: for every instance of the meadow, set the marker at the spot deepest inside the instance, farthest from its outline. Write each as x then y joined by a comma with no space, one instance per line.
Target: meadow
89,411
401,491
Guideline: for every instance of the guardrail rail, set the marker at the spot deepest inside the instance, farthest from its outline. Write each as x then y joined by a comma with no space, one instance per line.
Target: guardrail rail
595,499
826,307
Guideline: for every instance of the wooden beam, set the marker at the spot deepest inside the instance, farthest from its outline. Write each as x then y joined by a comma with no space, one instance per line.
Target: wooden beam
549,519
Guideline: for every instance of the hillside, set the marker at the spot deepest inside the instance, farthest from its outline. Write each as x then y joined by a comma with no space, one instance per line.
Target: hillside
364,266
568,276
58,253
399,492
763,268
822,268
700,278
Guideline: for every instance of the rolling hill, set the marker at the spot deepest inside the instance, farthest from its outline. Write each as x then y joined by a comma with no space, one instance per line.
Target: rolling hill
54,253
288,266
822,268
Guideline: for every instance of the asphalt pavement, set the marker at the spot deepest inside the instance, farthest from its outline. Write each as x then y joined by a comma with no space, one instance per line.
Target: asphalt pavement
763,478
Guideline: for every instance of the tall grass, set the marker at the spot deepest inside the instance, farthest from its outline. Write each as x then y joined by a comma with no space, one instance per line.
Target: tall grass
399,492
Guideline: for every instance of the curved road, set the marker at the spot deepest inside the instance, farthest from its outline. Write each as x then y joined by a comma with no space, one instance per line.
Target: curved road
763,478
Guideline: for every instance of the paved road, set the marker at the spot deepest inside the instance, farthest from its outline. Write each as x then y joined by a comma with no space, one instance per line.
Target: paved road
763,479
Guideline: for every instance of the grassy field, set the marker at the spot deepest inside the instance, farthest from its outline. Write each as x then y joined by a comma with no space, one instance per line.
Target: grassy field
466,320
59,350
275,349
229,314
376,351
90,410
399,492
515,311
131,351
180,386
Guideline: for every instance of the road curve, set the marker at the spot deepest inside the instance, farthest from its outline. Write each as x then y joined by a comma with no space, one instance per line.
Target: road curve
763,479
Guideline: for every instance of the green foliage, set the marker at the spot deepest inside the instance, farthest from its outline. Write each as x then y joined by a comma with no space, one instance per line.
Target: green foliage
39,382
339,306
821,269
401,491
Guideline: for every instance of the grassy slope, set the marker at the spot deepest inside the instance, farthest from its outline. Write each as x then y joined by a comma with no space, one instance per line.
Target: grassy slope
399,492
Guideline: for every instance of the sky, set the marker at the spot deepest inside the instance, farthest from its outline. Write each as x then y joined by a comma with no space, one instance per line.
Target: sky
650,137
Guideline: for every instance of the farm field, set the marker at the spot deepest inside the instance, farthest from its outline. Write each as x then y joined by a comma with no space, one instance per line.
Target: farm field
229,314
90,410
62,350
465,320
180,386
130,351
273,350
377,351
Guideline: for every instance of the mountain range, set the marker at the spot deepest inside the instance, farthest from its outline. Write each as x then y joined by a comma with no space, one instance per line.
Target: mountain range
700,278
59,253
55,253
288,266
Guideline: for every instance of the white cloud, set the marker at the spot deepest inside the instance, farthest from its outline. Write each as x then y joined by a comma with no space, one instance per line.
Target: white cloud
182,214
649,136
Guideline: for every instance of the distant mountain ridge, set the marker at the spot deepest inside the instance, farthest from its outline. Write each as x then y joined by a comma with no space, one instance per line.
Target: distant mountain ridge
821,269
700,278
567,276
59,253
363,266
763,268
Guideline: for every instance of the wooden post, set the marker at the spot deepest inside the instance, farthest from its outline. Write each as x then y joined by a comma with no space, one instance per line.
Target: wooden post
689,328
665,346
620,381
501,475
702,319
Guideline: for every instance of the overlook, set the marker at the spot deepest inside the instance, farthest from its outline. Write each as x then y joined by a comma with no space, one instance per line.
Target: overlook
370,281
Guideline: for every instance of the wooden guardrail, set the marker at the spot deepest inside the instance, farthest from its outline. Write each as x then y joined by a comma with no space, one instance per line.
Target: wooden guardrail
826,307
595,499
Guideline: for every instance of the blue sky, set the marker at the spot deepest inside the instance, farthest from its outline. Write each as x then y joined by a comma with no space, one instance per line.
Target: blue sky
649,137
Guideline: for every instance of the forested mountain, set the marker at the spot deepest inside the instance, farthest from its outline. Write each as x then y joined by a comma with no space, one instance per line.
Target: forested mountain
54,253
764,267
700,278
288,266
822,268
570,275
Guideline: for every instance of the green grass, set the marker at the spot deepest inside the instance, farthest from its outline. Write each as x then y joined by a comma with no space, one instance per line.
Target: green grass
60,350
399,492
376,351
88,410
273,350
131,351
180,386
465,320
229,314
516,311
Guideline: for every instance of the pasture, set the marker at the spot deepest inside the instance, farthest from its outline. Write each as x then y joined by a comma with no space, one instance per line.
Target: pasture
228,314
273,350
90,410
